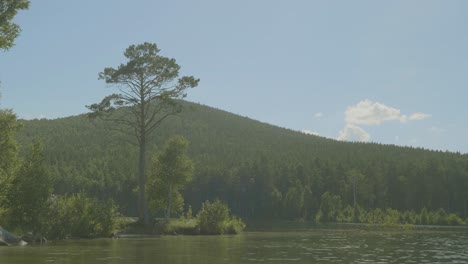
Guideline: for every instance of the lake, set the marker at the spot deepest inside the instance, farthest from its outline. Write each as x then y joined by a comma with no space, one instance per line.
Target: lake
337,244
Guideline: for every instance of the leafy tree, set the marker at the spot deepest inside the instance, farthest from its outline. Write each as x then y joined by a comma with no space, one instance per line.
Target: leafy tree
355,180
330,208
9,160
147,89
294,201
26,185
172,170
29,192
8,30
8,148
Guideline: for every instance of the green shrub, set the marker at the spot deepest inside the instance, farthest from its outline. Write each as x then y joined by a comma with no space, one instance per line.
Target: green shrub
362,215
424,218
392,217
408,217
234,226
375,217
81,216
214,218
453,219
439,217
347,215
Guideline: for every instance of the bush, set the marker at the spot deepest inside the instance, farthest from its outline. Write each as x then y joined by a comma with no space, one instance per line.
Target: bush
391,217
439,217
411,217
214,218
347,215
424,218
453,219
234,226
81,216
375,217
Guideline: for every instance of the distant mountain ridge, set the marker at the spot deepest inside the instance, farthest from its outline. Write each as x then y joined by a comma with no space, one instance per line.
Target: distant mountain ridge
239,159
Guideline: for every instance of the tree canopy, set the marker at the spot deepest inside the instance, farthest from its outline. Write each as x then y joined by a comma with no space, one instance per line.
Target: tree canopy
259,170
148,86
172,169
9,30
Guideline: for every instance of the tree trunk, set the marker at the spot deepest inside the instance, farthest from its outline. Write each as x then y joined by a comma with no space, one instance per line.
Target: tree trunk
169,205
142,206
354,192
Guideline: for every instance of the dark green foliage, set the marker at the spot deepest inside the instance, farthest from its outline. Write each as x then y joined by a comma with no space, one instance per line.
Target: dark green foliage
9,162
394,218
148,89
439,217
214,218
330,208
8,30
348,215
81,216
27,197
171,171
453,220
26,184
259,170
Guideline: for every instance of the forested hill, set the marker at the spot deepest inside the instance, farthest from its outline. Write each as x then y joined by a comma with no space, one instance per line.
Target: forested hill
260,170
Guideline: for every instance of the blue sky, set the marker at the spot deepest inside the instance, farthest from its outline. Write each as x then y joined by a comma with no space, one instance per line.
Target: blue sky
394,72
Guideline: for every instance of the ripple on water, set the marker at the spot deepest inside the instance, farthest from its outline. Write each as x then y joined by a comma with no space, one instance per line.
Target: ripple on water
371,246
283,259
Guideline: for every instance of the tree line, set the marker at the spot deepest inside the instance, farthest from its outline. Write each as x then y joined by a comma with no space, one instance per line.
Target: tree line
259,170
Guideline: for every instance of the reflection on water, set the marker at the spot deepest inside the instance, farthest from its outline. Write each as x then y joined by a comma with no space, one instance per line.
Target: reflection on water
337,245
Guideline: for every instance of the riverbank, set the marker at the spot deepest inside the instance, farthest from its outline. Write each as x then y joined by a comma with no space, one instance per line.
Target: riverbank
304,226
177,226
161,226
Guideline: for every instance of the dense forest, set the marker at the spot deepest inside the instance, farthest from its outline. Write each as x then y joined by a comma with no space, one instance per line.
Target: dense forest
259,170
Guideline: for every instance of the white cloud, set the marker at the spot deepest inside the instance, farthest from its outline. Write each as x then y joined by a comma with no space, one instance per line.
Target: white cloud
354,133
318,115
368,113
418,116
308,132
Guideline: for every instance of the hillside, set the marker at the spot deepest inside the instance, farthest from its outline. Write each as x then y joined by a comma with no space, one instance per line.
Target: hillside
259,169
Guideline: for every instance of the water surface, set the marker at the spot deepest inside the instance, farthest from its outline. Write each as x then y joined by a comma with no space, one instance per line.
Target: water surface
306,245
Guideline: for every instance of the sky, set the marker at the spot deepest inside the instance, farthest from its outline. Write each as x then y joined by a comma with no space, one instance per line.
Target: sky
394,72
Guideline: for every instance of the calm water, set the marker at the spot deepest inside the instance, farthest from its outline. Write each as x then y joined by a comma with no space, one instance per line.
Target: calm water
307,245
